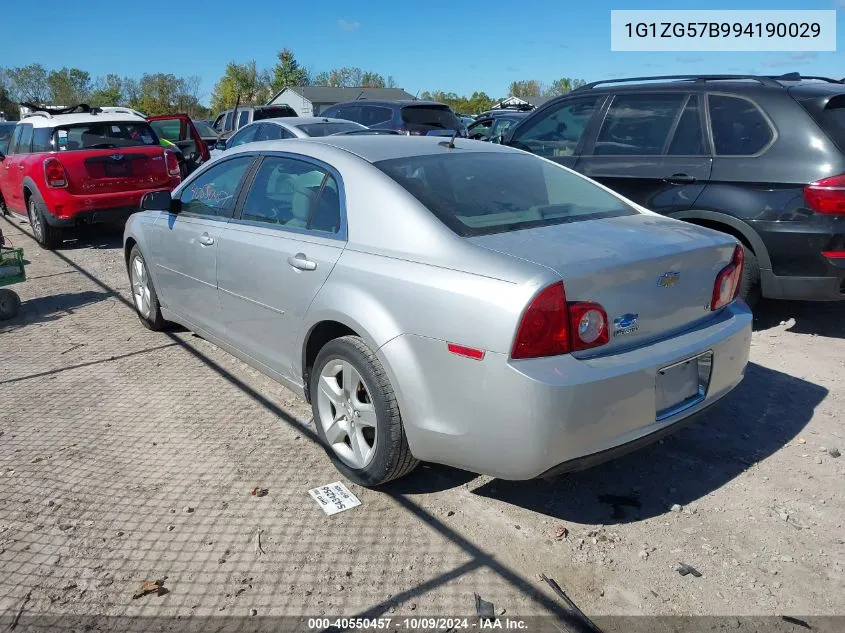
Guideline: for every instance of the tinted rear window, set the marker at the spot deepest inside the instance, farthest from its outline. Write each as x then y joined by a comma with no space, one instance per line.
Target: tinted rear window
205,130
832,120
430,117
271,113
104,136
325,129
479,193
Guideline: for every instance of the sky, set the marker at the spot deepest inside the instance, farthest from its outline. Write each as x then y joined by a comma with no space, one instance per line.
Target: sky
434,45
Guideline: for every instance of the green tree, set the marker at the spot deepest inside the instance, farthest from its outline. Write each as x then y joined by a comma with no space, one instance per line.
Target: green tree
130,92
29,83
69,86
372,80
287,71
526,88
8,106
244,81
108,91
563,85
352,77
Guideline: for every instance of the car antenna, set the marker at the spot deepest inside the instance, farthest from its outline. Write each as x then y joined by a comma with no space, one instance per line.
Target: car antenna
451,143
359,95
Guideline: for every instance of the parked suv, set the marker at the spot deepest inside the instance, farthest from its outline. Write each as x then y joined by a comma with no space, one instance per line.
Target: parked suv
416,118
760,158
81,165
228,122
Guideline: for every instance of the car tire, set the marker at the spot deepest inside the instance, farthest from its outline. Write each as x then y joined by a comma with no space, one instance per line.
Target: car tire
3,209
363,408
10,304
48,237
749,287
144,296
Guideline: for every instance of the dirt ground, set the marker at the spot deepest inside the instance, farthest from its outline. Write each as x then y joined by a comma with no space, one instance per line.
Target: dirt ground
127,455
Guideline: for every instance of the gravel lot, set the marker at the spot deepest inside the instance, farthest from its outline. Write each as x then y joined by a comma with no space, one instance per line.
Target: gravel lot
127,456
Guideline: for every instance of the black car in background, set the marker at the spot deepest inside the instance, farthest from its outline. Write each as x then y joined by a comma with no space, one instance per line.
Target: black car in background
416,118
494,125
761,158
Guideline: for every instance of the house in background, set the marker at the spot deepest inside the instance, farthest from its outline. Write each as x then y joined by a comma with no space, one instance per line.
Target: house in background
512,101
312,100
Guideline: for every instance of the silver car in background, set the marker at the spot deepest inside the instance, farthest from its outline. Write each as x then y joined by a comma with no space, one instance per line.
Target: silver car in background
447,301
287,127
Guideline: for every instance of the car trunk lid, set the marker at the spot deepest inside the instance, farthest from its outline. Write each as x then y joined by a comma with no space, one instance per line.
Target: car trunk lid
654,276
108,170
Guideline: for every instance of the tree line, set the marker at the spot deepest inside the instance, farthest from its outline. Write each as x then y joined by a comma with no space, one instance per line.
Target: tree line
161,93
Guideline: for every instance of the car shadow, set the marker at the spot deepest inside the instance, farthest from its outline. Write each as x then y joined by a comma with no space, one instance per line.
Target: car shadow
766,411
96,236
51,308
820,318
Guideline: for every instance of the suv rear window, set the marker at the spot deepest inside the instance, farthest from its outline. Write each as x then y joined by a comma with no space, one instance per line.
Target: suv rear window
832,120
479,193
429,117
272,113
104,135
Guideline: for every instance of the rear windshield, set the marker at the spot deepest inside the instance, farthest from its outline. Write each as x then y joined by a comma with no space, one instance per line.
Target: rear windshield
6,130
430,117
104,135
271,113
325,129
479,193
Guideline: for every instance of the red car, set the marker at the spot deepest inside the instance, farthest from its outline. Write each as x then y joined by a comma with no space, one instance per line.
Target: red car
81,165
180,130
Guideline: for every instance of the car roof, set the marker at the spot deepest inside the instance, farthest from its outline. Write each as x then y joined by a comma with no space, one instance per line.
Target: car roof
58,120
394,102
375,148
733,84
302,120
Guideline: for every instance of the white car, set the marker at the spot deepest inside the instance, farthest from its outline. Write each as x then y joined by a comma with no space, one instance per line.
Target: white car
287,127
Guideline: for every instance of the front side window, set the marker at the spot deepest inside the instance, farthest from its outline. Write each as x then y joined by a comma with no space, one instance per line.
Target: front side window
6,131
246,135
170,129
293,193
212,193
638,124
558,131
227,124
268,132
739,128
478,193
112,135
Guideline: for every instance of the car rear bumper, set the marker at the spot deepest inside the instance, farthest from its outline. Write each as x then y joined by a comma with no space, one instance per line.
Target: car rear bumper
522,419
67,209
803,288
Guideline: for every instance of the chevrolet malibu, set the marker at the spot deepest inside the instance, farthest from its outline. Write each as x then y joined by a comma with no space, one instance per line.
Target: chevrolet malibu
446,300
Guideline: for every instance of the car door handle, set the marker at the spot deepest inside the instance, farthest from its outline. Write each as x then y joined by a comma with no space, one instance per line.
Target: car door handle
206,240
20,166
299,262
680,179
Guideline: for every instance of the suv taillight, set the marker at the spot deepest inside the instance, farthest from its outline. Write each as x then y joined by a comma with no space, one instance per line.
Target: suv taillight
826,195
728,281
551,326
172,163
54,173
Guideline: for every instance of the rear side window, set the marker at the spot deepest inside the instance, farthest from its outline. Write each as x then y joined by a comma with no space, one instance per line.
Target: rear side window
326,129
427,118
227,124
245,135
638,124
41,140
104,136
478,193
374,115
557,131
243,118
350,113
739,128
831,119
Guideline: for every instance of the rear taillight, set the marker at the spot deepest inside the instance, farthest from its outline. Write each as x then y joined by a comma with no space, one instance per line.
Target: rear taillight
826,195
728,281
54,173
172,163
551,326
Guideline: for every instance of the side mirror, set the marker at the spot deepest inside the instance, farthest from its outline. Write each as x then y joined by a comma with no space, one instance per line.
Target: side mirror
160,201
221,145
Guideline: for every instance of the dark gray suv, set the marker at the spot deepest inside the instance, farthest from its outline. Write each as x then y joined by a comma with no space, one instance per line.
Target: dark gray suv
761,158
416,118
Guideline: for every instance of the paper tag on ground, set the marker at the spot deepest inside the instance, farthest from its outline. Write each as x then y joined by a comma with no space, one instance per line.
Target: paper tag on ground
334,498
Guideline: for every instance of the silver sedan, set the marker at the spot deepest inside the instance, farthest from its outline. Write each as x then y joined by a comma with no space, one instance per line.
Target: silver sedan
454,302
282,128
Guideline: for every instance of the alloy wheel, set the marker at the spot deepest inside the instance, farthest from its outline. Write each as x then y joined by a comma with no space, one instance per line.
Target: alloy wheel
35,221
140,286
347,414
